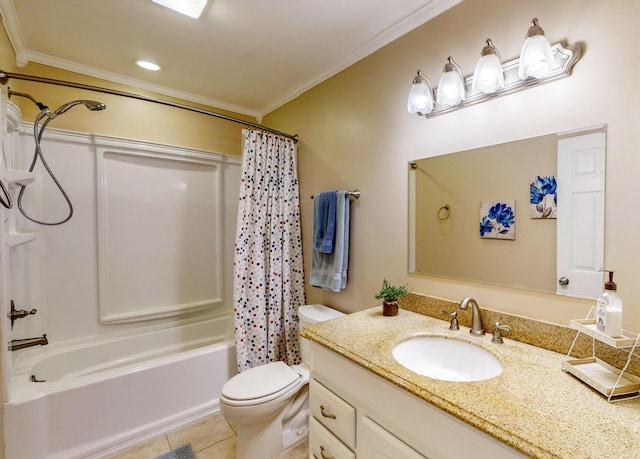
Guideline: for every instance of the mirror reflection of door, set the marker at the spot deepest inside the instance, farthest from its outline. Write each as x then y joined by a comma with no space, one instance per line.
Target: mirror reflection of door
459,182
580,225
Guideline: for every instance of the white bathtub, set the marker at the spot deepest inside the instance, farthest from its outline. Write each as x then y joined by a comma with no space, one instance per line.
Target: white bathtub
101,398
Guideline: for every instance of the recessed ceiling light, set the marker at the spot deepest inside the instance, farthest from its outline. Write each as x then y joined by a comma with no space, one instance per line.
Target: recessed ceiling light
147,65
191,8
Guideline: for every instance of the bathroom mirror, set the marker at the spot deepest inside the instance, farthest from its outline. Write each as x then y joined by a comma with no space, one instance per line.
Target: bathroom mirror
471,218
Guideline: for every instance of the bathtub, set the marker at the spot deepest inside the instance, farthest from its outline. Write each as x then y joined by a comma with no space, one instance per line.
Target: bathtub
100,398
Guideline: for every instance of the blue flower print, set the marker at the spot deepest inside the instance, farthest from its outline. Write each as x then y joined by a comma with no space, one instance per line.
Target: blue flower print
497,220
485,226
543,197
541,186
502,214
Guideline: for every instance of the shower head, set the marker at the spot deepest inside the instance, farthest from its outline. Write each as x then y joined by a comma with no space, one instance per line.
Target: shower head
90,104
93,105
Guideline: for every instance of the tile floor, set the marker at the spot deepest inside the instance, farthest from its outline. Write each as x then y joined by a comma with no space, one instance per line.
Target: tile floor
210,438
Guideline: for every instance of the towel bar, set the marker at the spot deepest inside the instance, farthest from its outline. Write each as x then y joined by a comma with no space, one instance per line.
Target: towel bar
355,194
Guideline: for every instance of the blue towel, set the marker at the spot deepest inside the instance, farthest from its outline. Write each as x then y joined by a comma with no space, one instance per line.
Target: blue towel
329,270
324,221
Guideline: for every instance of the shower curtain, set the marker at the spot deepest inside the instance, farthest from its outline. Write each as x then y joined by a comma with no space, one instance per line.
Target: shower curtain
268,267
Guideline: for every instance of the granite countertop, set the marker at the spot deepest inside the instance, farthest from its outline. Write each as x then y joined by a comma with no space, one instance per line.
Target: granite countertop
533,406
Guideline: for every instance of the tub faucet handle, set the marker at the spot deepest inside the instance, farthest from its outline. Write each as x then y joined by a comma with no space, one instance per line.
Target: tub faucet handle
497,332
454,320
16,314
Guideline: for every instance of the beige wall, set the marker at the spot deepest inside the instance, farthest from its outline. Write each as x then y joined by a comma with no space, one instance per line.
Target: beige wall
355,133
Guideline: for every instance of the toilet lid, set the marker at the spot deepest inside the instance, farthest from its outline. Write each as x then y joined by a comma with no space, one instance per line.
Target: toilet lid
260,382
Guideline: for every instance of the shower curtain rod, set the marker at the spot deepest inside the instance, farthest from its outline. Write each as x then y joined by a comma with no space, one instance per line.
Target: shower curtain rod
5,76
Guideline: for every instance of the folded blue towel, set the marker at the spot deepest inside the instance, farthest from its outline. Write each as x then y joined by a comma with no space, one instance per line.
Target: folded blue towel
324,221
329,270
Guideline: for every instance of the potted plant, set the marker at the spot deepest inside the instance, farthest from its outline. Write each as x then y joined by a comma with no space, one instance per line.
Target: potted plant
390,294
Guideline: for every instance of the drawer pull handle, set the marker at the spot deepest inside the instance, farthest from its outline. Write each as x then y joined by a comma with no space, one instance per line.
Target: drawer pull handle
325,414
323,455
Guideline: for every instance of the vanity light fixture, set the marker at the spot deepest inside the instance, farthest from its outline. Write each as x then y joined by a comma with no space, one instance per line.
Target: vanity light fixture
456,91
536,58
488,76
420,98
191,8
451,87
147,65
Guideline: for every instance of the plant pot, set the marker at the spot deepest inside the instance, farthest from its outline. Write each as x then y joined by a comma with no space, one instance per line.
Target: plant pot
389,308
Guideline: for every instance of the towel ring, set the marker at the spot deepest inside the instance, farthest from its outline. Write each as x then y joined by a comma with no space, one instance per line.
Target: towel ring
6,199
444,212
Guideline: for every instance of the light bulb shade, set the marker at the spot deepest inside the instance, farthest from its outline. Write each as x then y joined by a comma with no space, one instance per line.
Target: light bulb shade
536,58
420,98
451,86
488,76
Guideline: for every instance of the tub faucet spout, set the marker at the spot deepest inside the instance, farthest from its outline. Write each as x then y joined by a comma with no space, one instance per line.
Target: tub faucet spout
477,329
17,344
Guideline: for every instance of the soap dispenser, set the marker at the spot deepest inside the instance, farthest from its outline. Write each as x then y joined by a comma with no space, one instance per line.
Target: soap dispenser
609,310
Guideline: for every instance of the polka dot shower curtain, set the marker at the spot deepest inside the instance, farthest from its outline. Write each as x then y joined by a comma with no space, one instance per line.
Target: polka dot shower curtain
268,269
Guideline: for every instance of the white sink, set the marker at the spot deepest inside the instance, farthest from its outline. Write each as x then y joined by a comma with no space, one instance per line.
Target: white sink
446,359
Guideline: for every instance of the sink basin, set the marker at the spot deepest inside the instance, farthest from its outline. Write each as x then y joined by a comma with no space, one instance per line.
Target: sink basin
446,359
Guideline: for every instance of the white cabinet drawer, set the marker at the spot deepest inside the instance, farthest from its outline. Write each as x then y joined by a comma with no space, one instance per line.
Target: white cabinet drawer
333,412
376,441
324,445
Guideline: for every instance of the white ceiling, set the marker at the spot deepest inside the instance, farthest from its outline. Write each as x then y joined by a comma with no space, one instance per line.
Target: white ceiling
248,56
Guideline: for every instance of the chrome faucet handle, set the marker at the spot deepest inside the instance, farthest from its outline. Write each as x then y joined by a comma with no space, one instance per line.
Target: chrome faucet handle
497,332
454,320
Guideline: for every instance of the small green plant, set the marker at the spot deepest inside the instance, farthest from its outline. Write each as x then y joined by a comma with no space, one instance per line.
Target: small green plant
391,292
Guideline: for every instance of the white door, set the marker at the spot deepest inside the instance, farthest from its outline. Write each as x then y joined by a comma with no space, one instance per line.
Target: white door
580,224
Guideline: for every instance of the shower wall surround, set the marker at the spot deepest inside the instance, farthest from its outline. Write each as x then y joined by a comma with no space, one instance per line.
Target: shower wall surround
159,231
150,242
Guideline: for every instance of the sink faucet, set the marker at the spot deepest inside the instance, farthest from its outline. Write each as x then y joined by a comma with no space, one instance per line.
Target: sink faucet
477,329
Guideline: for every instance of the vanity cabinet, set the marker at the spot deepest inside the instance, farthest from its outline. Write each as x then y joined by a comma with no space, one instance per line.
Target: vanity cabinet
332,424
332,427
376,441
323,444
377,419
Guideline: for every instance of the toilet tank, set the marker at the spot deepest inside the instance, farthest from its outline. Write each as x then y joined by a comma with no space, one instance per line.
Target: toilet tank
311,314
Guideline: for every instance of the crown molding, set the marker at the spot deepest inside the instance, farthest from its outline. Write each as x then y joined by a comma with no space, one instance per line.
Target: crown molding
402,27
12,26
135,83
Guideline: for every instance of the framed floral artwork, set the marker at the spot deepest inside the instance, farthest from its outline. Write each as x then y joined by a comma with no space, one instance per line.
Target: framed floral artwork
498,220
543,200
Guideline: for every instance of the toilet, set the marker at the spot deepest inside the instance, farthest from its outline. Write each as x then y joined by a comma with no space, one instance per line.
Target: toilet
270,403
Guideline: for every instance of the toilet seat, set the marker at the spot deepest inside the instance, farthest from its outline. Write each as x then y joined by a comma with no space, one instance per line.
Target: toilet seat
261,384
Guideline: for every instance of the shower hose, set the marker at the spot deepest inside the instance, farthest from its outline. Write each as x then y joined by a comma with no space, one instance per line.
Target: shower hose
38,131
